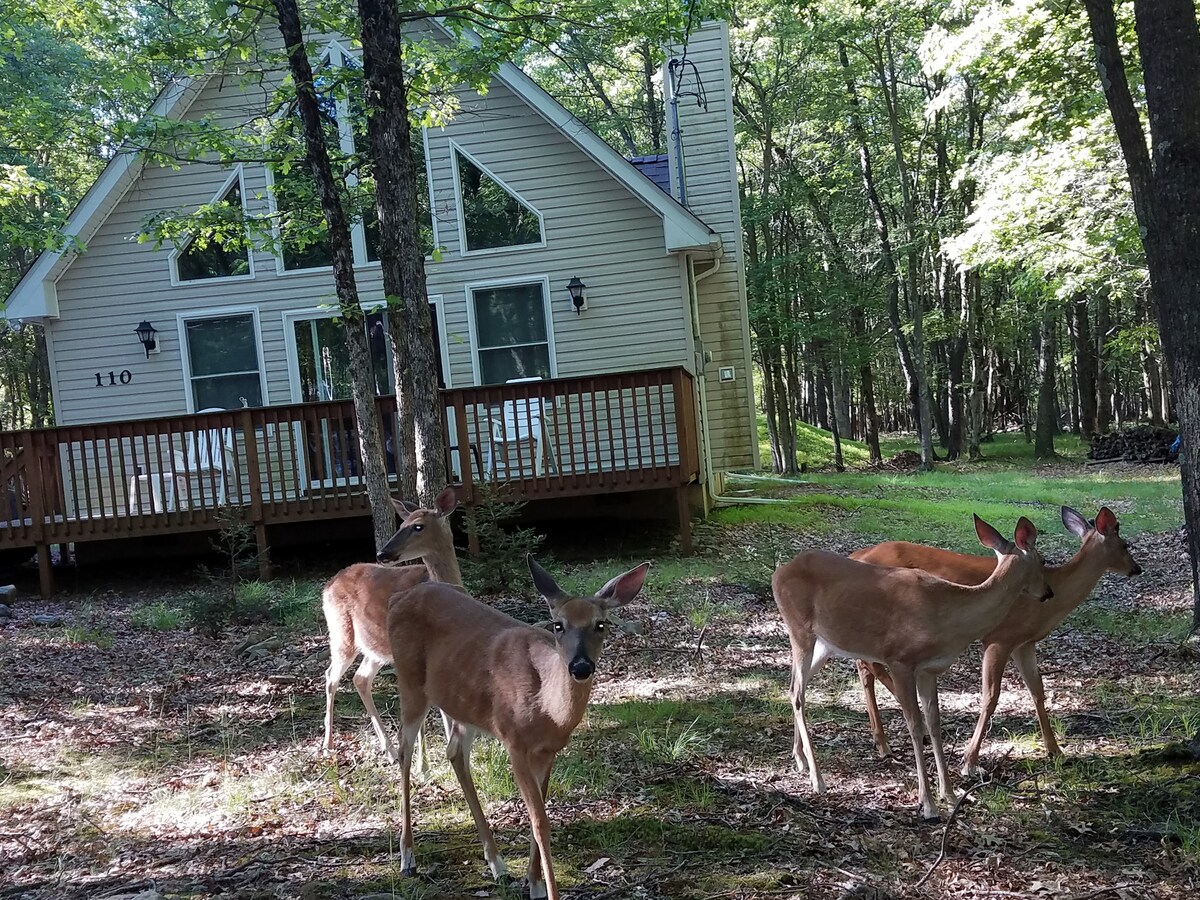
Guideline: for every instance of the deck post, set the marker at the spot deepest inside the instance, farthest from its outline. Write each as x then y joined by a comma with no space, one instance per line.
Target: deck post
685,520
263,549
45,571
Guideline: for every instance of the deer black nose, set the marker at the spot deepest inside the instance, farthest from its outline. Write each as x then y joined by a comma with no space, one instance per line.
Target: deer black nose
1048,595
581,668
1136,570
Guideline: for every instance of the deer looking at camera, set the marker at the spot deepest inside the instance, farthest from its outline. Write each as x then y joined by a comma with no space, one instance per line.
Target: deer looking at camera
488,672
914,623
1028,621
355,604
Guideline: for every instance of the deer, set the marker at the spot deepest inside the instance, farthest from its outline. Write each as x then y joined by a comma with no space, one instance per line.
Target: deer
909,620
1028,621
355,605
489,672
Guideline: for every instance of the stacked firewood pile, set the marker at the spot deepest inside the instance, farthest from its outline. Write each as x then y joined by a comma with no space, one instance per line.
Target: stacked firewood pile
1140,443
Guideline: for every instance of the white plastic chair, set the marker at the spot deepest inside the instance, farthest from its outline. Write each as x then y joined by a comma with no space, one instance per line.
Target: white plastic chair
520,420
205,457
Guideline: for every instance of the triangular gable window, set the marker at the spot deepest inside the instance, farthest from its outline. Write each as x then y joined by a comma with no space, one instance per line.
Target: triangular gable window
492,216
216,255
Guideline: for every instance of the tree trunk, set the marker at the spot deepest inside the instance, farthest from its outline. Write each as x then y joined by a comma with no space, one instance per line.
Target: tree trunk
838,461
401,257
1104,392
1086,366
1047,404
1166,200
362,387
858,321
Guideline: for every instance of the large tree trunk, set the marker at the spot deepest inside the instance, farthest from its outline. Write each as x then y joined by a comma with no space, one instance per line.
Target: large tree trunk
1047,403
858,321
362,387
1167,201
1104,390
400,253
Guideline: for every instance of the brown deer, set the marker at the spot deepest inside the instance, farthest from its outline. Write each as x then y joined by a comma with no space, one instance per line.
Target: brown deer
1028,621
914,623
355,604
490,673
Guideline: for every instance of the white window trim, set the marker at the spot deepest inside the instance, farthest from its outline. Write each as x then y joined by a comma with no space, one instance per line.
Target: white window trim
455,149
173,260
473,331
358,231
291,316
185,353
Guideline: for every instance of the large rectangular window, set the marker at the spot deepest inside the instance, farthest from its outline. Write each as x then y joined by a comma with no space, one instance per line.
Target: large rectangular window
223,365
513,340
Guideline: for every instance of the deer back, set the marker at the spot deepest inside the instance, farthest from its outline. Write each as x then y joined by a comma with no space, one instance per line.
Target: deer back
355,603
483,668
960,568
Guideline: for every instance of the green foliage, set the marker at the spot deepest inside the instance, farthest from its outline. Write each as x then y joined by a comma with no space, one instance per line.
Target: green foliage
503,544
155,617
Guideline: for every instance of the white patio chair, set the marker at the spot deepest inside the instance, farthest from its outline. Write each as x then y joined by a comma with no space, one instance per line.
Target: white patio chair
205,458
519,420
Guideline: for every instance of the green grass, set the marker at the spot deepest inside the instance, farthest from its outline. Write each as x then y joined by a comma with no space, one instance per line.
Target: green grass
156,617
936,507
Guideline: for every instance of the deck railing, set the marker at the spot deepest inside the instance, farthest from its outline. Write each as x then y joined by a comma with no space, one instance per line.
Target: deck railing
548,438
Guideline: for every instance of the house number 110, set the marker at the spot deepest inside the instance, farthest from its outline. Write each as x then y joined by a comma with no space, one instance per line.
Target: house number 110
125,376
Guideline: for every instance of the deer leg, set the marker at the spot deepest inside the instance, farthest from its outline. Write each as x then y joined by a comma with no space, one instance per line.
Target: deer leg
928,694
994,658
339,662
906,696
458,750
1025,657
414,713
537,886
866,675
529,783
364,680
808,661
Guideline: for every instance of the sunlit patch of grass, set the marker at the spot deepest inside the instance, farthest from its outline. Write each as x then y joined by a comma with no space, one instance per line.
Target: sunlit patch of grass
670,742
684,793
100,638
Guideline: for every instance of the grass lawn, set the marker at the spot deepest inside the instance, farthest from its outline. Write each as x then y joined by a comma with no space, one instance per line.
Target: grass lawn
135,754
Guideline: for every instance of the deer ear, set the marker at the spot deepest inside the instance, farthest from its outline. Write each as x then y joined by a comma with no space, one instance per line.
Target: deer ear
403,507
623,588
1106,521
546,586
1075,522
446,501
990,537
1026,534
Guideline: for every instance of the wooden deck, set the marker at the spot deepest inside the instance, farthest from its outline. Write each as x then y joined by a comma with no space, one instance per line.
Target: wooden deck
559,438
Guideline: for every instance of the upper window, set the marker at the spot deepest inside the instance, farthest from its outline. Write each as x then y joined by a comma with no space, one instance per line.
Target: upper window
223,362
513,339
492,216
222,251
303,234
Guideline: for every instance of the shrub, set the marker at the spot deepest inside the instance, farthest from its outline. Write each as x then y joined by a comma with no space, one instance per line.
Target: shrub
503,544
155,617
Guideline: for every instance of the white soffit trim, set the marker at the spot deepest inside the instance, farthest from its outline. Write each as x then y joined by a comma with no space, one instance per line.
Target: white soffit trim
35,296
681,229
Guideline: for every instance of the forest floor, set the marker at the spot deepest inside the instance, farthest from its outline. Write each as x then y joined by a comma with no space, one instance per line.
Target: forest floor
136,756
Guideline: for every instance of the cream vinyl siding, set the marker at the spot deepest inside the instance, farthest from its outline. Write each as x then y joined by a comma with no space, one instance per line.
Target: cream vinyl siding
595,229
711,182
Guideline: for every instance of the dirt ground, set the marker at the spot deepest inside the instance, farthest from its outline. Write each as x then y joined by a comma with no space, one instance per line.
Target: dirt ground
134,760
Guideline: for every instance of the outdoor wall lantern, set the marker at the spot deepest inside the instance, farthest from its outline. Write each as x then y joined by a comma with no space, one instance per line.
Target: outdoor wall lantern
576,289
146,333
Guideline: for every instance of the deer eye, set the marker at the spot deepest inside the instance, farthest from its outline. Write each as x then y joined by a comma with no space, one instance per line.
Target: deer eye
418,527
600,626
558,627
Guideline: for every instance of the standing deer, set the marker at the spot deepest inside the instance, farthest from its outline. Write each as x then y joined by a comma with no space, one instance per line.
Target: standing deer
355,604
1028,621
489,672
914,623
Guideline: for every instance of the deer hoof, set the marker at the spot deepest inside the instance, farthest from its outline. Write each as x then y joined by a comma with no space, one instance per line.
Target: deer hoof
931,820
409,872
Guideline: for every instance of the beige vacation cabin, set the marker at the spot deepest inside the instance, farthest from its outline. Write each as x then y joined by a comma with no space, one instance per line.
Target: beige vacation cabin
592,328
